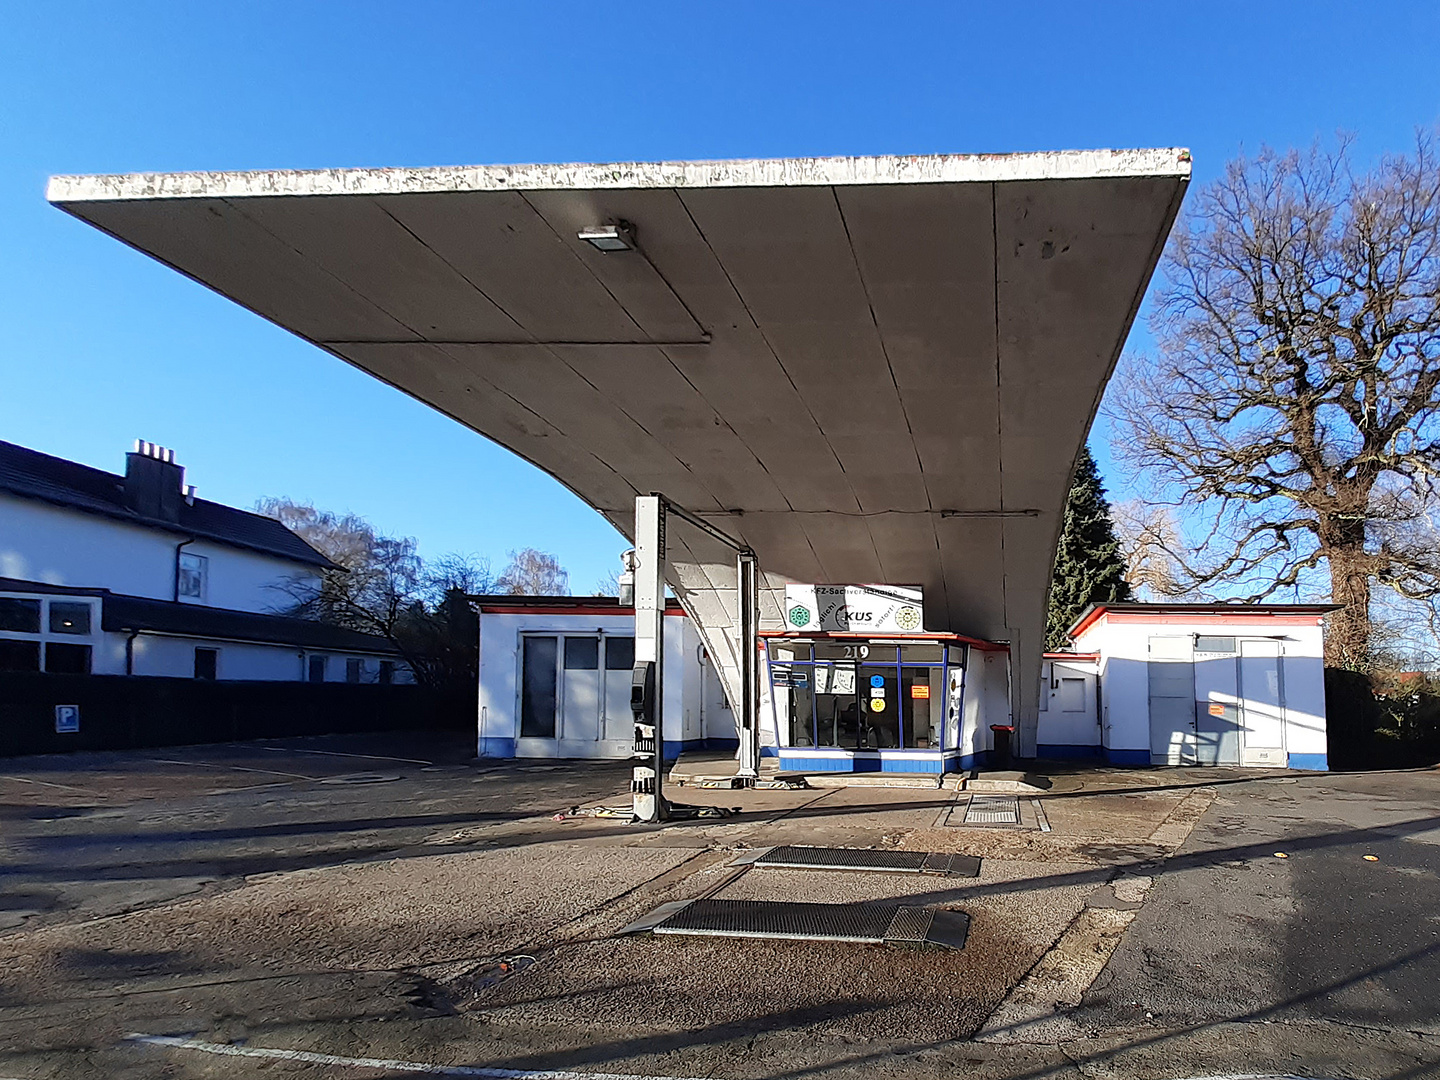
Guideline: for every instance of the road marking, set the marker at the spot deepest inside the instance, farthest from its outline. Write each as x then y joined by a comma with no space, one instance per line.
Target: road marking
310,1058
230,768
47,783
341,753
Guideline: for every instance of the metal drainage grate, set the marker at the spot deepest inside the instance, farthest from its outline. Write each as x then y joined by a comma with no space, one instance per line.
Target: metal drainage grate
993,810
886,862
864,924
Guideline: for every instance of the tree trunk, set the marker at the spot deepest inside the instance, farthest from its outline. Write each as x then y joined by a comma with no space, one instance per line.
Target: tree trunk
1347,634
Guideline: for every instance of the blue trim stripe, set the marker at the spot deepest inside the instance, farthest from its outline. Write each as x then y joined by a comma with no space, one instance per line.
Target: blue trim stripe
1127,757
1069,750
1313,762
497,748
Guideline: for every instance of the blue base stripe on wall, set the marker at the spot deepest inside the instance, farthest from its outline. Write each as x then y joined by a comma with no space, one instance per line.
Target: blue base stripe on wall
498,748
1127,757
1069,750
1313,762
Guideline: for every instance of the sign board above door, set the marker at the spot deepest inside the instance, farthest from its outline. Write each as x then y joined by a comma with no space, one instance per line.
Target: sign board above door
855,609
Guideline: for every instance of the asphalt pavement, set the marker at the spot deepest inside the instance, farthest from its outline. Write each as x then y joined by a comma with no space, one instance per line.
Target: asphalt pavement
385,905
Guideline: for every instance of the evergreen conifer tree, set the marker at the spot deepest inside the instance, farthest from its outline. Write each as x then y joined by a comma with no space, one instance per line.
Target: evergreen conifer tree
1088,565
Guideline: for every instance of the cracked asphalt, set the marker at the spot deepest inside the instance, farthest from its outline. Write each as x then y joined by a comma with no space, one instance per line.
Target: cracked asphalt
322,907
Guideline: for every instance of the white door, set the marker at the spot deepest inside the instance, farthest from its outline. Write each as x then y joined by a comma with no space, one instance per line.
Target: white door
618,722
1217,713
1262,693
580,697
1172,701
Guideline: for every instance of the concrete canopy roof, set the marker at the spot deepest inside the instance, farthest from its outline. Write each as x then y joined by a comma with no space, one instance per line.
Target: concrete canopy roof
869,369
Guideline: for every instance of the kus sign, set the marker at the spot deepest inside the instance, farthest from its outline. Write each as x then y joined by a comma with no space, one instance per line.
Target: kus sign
855,609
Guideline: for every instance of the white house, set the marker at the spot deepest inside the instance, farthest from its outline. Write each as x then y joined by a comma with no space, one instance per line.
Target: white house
555,680
134,575
1190,684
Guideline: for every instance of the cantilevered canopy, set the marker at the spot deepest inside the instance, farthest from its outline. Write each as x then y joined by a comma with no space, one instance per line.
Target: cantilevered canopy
869,369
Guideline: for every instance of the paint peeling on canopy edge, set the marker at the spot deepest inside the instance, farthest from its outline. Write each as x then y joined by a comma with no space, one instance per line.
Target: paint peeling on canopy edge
780,172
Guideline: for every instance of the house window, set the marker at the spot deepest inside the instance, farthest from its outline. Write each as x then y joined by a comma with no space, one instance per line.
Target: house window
582,653
317,669
192,573
387,672
69,617
354,669
19,655
20,616
619,653
67,658
206,663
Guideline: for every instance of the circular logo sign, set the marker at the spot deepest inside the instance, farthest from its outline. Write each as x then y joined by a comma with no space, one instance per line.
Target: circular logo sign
907,618
799,615
877,704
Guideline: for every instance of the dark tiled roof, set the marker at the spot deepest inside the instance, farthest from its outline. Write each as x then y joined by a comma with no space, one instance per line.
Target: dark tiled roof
122,613
33,475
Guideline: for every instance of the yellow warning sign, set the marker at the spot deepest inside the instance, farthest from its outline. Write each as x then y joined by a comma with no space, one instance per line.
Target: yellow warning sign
877,704
1217,709
920,690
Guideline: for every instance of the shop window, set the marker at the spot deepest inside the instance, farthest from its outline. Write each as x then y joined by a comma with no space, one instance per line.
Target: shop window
69,617
19,616
537,688
192,575
880,705
354,669
582,653
316,669
619,653
19,655
66,658
206,663
387,672
837,706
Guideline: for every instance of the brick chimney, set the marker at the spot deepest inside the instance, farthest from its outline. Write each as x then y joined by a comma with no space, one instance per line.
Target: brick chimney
154,484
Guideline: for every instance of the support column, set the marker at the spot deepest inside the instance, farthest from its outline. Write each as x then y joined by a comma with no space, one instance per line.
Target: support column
647,683
749,626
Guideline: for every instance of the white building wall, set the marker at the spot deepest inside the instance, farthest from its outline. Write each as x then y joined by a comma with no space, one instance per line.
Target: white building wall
1124,648
499,690
56,546
1064,730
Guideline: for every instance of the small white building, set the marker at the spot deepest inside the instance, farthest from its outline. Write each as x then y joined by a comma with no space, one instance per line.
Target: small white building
555,677
1190,684
107,574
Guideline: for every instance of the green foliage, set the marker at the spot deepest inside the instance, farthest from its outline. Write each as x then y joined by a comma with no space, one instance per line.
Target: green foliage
1088,565
1384,720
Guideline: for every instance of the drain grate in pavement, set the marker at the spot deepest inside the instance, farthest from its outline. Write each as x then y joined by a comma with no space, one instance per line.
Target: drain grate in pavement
863,924
885,862
993,810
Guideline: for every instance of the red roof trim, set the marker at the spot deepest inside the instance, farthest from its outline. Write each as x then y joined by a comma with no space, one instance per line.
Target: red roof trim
671,610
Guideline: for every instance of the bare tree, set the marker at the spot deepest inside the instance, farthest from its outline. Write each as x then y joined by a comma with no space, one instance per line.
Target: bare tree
1150,544
533,573
1291,409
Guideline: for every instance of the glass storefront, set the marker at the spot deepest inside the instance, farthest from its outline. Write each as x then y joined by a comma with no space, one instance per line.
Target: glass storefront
863,695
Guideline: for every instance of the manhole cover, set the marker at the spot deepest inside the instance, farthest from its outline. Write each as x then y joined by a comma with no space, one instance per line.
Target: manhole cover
993,810
884,862
863,924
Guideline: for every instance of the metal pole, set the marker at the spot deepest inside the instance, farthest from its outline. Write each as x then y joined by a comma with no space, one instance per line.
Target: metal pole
746,586
647,685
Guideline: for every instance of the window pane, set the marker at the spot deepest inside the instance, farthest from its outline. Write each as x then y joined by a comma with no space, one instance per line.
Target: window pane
922,654
63,658
537,689
879,704
387,672
191,575
317,669
205,663
19,655
923,706
1215,644
837,709
22,616
582,653
619,653
68,617
352,670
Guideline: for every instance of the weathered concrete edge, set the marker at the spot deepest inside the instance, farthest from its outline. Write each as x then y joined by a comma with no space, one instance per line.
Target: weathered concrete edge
779,172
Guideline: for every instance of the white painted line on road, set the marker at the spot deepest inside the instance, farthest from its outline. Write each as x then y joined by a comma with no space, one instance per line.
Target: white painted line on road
309,1058
341,753
47,783
230,768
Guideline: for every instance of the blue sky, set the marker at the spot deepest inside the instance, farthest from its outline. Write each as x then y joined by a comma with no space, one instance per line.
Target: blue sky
102,346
